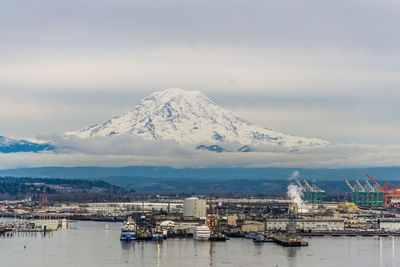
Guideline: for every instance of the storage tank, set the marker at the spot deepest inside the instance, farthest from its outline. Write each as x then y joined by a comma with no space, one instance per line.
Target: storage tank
194,207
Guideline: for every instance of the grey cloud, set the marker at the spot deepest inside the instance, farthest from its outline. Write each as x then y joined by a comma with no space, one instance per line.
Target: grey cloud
119,23
129,145
339,156
119,145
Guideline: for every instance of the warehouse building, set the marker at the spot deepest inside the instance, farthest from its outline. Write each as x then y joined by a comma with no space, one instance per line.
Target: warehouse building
307,224
389,224
253,226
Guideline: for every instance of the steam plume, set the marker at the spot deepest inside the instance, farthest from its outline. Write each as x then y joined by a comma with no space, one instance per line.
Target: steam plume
295,195
294,192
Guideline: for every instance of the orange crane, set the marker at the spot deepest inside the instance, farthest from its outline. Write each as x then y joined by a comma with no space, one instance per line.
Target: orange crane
212,223
390,190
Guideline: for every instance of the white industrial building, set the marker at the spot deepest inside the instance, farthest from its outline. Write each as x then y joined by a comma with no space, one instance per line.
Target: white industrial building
195,207
108,208
307,224
389,224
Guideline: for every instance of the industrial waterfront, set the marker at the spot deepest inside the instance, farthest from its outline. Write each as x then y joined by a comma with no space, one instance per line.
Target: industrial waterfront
90,244
300,229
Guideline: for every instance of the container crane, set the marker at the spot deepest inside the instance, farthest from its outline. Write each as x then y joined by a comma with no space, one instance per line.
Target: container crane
349,186
307,185
300,185
388,189
362,189
312,193
365,195
369,186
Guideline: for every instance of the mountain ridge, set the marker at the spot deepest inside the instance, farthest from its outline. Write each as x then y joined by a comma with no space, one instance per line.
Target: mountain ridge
190,117
9,145
133,172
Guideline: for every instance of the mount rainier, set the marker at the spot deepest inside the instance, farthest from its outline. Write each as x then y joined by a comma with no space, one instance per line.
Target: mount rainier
189,117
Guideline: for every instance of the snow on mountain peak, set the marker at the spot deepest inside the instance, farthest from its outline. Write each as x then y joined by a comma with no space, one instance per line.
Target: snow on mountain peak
190,117
9,145
167,94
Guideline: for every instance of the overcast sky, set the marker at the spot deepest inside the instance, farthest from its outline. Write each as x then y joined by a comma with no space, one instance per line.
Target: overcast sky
326,69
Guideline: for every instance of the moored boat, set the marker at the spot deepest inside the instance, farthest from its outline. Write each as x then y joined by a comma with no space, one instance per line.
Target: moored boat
157,234
201,232
260,238
218,237
165,234
128,231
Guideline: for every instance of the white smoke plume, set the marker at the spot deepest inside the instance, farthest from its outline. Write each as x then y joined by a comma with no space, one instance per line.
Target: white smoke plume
295,194
294,176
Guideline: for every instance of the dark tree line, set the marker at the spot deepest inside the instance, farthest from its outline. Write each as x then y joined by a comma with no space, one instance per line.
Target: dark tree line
60,189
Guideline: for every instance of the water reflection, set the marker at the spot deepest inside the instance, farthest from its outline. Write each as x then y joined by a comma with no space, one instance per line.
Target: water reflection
158,254
128,251
141,246
128,246
380,251
25,235
292,255
393,257
292,252
212,253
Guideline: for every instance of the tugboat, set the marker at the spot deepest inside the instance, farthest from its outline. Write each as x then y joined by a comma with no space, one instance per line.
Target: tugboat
157,235
128,231
218,237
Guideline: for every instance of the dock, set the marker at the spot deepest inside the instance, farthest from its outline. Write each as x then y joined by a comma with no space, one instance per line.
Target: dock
288,240
351,233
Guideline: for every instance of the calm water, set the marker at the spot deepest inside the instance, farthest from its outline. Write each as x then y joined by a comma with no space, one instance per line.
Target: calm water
89,244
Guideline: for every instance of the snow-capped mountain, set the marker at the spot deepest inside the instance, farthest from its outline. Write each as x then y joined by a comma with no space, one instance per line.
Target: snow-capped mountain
189,117
8,145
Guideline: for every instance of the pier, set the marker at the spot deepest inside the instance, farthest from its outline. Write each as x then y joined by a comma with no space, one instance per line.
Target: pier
28,226
352,233
287,241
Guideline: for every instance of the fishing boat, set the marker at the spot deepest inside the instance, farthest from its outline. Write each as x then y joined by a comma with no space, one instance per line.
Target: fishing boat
157,235
128,231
